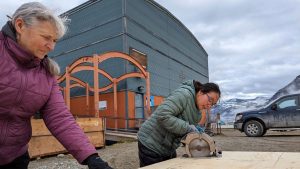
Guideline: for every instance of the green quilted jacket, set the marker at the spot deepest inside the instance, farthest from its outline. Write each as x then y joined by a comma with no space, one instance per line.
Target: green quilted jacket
163,131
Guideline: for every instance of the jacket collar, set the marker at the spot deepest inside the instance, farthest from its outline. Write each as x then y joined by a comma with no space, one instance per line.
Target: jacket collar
17,52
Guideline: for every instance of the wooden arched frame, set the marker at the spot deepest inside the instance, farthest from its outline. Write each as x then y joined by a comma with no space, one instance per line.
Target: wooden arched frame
77,66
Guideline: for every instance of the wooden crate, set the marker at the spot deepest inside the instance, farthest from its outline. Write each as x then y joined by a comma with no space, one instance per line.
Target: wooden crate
43,143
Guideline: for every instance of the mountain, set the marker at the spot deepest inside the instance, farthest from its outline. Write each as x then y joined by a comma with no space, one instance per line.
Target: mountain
229,108
291,88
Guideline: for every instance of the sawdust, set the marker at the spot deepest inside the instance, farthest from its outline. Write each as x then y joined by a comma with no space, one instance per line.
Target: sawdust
125,155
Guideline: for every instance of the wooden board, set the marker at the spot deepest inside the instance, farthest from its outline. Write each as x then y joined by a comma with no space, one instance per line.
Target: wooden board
43,143
235,160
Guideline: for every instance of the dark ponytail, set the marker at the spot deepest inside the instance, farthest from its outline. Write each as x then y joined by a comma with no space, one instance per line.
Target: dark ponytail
197,86
206,88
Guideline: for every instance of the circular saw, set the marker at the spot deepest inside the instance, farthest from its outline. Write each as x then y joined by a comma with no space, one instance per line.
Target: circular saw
200,145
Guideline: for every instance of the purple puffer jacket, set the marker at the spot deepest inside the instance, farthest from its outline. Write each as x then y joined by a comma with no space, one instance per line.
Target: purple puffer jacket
25,88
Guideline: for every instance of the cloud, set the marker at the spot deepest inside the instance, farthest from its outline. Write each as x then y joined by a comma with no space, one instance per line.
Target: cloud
59,6
253,46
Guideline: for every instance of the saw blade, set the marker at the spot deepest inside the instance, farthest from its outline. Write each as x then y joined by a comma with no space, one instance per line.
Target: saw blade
199,148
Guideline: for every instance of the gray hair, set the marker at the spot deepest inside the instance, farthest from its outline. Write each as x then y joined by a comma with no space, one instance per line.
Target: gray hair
33,12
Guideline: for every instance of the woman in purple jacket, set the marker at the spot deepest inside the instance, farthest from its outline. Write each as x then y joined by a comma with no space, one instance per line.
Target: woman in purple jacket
28,85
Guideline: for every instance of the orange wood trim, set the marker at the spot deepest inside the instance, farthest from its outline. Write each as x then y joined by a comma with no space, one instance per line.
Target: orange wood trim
109,55
61,78
78,81
87,98
85,67
103,88
105,74
128,75
81,67
83,59
148,94
96,86
115,103
68,87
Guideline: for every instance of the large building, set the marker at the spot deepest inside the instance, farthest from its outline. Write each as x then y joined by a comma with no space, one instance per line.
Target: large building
142,29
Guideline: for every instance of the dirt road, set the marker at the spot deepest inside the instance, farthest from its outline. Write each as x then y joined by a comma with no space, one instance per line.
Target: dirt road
124,155
273,141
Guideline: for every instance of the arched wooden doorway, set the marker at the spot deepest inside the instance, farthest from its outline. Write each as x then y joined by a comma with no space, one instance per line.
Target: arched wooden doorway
80,65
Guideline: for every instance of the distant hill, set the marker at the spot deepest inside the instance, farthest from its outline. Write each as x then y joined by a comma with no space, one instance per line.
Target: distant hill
229,108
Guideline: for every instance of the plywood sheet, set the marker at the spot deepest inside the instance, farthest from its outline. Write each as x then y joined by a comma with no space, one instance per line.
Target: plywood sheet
235,160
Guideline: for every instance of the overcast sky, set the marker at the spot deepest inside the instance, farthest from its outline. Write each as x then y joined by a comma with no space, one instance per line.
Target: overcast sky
253,45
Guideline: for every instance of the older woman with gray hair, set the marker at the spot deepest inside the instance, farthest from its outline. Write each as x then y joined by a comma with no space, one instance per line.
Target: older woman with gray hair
28,85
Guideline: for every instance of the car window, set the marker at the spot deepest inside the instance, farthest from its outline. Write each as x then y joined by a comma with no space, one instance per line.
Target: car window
287,102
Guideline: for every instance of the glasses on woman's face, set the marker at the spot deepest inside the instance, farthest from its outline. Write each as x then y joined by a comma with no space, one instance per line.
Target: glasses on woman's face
210,100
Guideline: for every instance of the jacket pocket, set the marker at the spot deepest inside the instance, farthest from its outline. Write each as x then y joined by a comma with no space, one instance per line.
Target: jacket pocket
18,132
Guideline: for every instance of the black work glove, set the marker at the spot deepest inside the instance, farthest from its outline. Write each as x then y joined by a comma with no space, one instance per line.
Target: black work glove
95,162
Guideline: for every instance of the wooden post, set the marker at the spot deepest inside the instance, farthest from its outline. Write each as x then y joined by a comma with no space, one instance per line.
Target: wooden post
87,98
148,95
115,103
67,93
96,86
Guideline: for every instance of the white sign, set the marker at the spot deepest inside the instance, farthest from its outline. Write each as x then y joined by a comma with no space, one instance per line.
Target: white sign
103,105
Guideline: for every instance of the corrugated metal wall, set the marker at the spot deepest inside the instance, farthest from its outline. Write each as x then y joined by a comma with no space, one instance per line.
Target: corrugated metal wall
174,55
99,26
95,28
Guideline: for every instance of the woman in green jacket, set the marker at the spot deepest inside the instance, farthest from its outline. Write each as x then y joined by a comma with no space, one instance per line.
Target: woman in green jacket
179,114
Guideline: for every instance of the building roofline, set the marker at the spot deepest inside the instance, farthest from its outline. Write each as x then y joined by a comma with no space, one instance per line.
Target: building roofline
152,2
80,7
163,9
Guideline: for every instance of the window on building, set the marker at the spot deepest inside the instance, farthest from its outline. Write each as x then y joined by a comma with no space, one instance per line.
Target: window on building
140,57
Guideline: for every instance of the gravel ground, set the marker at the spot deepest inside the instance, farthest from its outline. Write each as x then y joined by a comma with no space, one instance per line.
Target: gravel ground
125,155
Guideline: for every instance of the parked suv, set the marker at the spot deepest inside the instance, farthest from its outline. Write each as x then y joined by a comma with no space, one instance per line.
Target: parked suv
282,113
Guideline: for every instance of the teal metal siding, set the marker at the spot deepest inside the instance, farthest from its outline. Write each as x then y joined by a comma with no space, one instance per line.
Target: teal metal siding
174,54
89,38
94,14
95,28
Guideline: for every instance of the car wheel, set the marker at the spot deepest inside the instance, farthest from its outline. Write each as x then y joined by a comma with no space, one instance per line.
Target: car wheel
253,128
